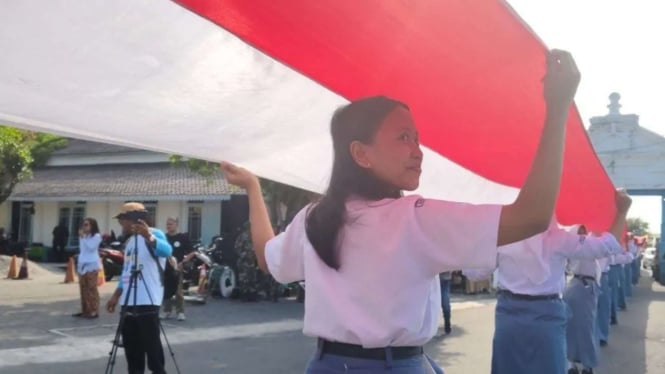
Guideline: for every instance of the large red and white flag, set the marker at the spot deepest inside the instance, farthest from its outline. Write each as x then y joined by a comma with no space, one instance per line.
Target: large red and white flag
255,82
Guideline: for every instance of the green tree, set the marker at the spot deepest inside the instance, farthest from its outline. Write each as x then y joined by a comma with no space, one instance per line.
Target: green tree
638,226
20,152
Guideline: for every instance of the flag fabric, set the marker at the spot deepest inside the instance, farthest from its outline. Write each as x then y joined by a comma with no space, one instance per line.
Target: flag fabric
256,82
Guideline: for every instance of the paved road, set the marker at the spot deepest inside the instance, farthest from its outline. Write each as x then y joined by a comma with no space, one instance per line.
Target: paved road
37,335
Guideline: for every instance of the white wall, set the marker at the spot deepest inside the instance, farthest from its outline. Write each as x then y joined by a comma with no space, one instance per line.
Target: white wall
99,210
211,220
113,209
169,208
43,222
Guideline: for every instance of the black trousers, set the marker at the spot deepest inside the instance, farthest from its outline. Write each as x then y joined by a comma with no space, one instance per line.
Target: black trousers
59,251
140,336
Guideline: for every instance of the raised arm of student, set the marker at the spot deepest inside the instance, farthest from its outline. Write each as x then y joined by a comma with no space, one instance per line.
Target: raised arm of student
531,212
262,230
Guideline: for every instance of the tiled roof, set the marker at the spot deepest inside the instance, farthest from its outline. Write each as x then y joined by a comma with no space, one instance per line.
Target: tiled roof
126,181
84,147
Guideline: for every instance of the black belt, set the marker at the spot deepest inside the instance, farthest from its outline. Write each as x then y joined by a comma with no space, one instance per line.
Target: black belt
585,279
357,351
518,296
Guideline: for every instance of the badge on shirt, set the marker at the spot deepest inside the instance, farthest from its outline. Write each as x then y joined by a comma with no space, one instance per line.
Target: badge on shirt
176,244
420,202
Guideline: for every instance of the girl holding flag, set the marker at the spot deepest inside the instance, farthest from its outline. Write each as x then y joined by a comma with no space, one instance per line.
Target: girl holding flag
371,257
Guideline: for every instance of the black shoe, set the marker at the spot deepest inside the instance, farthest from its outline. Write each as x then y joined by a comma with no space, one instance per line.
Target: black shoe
573,371
614,321
447,329
603,343
587,371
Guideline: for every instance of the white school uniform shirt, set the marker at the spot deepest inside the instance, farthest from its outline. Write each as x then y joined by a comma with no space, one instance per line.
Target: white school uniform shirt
589,267
386,291
528,268
604,263
619,259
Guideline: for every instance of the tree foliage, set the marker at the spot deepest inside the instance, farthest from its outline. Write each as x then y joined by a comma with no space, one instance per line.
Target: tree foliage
638,226
20,152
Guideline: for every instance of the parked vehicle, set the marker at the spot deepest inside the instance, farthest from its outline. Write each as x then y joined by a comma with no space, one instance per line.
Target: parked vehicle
112,260
649,258
211,271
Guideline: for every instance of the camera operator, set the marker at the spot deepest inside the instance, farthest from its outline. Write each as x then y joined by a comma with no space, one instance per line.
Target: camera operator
148,248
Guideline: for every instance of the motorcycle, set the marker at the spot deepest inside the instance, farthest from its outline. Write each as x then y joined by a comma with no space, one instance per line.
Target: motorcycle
112,260
209,270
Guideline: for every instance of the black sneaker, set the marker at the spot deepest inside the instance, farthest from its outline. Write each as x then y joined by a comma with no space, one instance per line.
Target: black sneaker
603,343
573,371
447,329
587,371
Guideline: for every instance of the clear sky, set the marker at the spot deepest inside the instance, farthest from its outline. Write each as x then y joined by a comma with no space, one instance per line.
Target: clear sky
619,45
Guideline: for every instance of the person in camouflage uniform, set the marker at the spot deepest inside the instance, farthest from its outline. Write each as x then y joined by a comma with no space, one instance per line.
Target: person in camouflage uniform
248,271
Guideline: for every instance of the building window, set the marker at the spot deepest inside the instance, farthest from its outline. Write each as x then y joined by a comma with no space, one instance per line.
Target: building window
25,222
194,222
72,217
152,212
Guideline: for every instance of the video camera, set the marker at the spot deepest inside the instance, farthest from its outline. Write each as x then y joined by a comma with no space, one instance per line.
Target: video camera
135,215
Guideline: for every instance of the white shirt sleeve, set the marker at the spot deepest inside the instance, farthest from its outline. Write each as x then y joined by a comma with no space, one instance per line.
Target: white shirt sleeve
452,236
478,274
285,252
574,246
90,244
622,258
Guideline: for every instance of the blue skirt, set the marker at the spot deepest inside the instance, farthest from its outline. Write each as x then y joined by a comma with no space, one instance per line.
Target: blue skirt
628,279
529,336
615,290
636,270
581,334
622,288
603,315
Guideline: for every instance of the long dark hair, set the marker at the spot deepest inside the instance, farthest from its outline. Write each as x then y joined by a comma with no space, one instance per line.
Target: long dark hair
94,227
357,121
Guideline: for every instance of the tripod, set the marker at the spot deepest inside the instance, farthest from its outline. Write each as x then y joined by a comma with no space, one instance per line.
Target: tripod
132,287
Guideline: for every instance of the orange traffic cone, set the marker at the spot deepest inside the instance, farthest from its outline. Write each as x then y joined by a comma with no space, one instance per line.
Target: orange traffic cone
101,277
70,273
13,270
23,273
